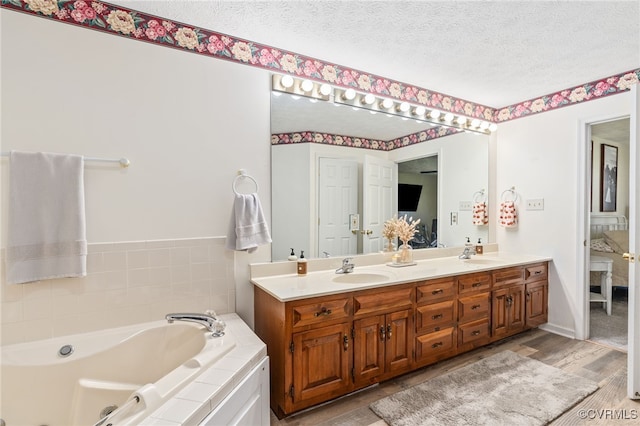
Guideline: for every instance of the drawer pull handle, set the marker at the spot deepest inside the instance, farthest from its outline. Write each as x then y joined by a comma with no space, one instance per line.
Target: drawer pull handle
437,316
389,332
322,312
537,272
383,333
476,285
474,307
436,345
438,291
475,333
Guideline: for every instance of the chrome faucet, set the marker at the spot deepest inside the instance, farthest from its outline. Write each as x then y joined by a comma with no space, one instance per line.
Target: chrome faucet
203,319
468,251
346,267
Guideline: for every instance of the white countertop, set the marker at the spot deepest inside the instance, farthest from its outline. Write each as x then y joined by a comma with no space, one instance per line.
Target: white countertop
290,287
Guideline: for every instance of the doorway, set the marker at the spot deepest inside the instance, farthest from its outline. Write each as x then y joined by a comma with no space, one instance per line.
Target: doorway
607,236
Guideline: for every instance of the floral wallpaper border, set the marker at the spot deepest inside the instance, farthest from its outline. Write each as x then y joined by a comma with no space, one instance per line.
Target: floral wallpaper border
356,142
128,23
586,92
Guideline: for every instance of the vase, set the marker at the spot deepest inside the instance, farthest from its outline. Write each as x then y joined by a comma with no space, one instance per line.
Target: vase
406,253
391,246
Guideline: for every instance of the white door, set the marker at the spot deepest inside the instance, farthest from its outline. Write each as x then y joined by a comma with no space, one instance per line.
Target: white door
379,200
337,200
633,355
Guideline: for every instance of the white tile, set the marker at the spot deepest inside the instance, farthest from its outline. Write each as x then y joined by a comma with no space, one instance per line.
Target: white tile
199,254
11,311
64,305
37,309
179,256
216,376
160,276
159,257
198,391
114,261
137,277
177,410
201,271
180,274
137,259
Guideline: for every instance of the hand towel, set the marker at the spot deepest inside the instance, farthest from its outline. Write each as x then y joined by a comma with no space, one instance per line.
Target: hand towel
508,214
47,235
248,228
480,214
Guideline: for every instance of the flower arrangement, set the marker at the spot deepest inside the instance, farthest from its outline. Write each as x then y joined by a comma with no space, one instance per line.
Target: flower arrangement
403,229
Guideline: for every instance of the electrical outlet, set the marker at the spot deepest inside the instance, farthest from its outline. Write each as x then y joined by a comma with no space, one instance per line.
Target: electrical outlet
535,204
465,205
454,218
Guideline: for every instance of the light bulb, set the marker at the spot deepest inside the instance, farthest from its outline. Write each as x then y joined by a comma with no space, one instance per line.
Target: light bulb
435,114
325,89
493,127
484,125
307,86
448,117
369,99
475,122
387,103
420,110
287,81
404,107
349,94
461,120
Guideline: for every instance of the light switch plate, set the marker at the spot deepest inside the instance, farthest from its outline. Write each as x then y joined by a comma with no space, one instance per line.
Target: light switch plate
454,218
465,205
535,204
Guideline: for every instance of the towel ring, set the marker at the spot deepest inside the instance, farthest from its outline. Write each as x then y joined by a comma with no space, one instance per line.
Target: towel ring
479,196
513,192
242,174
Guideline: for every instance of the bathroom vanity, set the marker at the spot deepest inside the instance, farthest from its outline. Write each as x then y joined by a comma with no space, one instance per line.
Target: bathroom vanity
329,334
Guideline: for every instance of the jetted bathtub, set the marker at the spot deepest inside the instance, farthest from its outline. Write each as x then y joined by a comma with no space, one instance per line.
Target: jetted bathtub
136,368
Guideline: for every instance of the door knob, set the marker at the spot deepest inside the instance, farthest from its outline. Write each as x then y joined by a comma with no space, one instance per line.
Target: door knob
629,257
366,232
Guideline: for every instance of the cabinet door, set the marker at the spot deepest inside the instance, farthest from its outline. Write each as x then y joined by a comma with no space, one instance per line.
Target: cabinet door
398,349
368,348
536,303
507,311
321,362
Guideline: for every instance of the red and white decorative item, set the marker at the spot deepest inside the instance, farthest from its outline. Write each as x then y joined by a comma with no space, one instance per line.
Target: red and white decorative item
508,211
480,214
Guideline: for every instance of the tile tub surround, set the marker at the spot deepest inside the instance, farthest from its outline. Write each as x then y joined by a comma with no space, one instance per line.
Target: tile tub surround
126,283
200,397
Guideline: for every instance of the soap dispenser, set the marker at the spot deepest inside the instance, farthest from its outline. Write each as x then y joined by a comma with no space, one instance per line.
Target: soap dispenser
302,264
479,248
292,256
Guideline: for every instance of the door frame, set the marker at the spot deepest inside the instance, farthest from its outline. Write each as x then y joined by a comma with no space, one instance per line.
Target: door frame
583,230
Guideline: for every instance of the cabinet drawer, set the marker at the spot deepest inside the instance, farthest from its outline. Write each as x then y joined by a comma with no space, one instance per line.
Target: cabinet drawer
535,272
321,311
436,290
473,307
380,301
432,344
474,283
508,276
473,331
435,316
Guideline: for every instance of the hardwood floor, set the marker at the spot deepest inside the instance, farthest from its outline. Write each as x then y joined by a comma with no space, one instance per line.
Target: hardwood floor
599,363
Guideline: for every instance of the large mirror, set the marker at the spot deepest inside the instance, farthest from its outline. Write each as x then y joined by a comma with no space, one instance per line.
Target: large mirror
331,196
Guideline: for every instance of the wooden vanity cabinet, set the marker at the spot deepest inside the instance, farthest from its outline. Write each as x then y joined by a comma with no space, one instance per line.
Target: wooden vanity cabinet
324,347
474,308
383,342
436,315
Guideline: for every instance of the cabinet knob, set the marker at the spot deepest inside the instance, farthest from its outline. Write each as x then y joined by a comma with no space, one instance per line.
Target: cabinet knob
345,341
436,345
383,333
389,332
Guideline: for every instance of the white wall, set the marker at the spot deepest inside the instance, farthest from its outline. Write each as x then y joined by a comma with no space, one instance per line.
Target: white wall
539,155
186,122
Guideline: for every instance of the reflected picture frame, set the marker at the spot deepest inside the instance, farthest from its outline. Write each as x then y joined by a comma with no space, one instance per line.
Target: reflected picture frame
608,178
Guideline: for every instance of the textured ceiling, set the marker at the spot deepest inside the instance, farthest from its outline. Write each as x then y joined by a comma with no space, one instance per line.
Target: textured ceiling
495,53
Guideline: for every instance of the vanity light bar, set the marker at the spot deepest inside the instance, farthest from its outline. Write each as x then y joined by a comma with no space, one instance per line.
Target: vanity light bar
323,91
301,87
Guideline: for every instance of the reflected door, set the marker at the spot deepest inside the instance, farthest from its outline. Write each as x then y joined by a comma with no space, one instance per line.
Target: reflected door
337,200
379,200
633,356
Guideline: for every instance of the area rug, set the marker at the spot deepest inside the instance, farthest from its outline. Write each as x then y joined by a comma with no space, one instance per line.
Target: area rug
504,389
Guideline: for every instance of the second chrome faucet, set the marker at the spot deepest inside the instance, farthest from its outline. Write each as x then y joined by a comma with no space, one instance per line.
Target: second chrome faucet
346,267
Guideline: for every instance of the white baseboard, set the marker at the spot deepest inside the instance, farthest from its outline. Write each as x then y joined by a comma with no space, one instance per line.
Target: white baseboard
556,329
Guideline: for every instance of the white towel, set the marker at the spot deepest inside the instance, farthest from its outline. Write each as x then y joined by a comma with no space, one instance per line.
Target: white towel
248,228
47,236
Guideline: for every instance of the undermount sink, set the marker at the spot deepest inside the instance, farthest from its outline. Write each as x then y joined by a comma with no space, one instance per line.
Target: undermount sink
481,261
360,278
